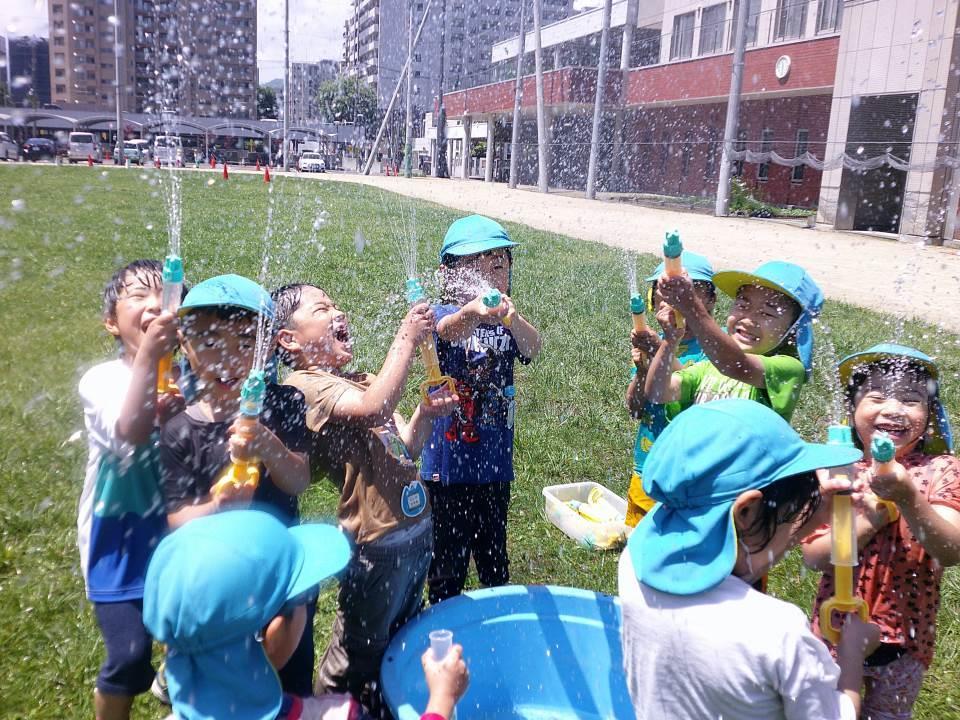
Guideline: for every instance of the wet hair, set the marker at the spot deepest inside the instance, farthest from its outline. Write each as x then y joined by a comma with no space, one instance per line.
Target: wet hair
223,313
793,499
150,272
286,301
887,366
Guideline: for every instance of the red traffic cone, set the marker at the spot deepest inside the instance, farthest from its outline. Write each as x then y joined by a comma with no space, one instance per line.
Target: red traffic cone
89,160
156,163
258,163
266,174
213,161
226,175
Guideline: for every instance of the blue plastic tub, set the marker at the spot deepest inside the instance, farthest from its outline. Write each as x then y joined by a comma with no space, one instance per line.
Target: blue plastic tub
534,652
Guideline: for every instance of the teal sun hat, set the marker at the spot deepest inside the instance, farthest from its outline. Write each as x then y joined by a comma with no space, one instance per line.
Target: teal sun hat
229,291
698,267
938,439
474,234
211,586
687,543
794,282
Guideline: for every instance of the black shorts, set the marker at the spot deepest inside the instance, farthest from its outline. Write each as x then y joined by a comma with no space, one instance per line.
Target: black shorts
126,669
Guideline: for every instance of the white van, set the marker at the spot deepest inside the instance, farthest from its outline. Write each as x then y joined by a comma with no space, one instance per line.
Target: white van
83,145
168,150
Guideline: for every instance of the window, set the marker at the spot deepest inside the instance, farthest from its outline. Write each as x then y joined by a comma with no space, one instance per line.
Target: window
802,138
58,42
791,19
766,145
829,14
59,72
61,89
753,20
712,23
681,42
739,146
57,8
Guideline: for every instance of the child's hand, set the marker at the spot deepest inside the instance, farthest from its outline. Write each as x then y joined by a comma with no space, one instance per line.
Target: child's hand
418,323
510,310
646,341
442,403
668,321
232,497
488,315
161,336
168,405
677,291
447,679
858,640
897,486
248,440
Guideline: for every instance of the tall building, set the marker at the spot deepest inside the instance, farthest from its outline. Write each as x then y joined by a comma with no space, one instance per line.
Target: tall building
305,81
27,73
376,39
196,57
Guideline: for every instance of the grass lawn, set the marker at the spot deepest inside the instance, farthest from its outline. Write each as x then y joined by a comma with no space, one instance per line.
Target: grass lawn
75,226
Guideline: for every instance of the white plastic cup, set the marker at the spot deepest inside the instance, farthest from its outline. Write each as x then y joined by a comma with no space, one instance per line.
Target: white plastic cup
440,643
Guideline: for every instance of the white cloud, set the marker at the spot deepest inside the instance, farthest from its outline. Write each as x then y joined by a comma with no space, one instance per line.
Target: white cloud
316,33
23,17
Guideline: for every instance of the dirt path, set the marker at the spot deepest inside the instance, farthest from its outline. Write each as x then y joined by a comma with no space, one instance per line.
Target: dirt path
860,269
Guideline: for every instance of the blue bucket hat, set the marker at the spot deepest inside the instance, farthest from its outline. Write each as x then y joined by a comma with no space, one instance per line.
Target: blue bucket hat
696,265
229,291
474,234
211,586
794,282
938,439
688,543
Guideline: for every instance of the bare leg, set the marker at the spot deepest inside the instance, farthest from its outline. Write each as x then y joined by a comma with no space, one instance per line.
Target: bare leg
112,707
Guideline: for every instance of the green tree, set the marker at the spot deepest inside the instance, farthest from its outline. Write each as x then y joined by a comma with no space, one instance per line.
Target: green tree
349,99
266,102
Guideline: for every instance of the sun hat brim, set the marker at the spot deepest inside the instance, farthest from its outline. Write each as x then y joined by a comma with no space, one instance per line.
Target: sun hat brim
326,551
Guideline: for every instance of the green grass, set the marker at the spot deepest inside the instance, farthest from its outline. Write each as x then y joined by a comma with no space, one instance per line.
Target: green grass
77,225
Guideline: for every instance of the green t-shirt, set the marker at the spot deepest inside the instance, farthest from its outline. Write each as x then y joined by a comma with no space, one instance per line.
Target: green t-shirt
784,376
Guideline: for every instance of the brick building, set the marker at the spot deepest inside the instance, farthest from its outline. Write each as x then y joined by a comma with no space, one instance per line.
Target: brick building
848,107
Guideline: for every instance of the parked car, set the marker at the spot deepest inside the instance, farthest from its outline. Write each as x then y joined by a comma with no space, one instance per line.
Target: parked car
39,148
311,162
8,148
168,150
84,145
136,151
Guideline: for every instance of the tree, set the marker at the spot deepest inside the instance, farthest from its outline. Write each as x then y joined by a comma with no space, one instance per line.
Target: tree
266,102
349,99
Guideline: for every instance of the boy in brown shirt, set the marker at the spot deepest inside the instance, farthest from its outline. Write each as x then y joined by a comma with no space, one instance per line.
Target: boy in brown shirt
369,452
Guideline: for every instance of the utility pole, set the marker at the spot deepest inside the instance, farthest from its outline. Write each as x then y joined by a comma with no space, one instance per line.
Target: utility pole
118,148
733,109
440,169
517,97
598,103
543,171
408,145
286,81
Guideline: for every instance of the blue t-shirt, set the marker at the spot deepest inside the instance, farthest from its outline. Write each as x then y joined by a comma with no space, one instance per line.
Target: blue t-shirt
655,417
475,444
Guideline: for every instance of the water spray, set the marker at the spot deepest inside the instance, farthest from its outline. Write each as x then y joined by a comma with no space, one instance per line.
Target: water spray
843,549
492,298
673,266
172,292
428,348
882,451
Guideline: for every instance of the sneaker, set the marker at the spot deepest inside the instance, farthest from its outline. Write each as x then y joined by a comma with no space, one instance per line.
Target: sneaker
159,687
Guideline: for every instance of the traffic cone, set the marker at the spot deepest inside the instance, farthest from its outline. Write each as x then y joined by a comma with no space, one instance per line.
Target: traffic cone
266,174
226,175
89,160
156,163
213,162
258,163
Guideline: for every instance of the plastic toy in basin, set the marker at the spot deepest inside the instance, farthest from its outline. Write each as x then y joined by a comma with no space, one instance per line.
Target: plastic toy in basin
534,652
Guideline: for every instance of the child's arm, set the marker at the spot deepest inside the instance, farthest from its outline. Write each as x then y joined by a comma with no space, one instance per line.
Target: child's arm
459,326
289,470
447,680
416,432
858,640
526,336
722,350
282,635
375,405
138,414
936,526
644,345
662,386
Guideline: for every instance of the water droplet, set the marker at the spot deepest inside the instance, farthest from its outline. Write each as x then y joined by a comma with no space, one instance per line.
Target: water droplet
18,204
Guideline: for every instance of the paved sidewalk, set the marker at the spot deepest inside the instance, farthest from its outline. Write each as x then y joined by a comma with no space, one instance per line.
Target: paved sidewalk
873,272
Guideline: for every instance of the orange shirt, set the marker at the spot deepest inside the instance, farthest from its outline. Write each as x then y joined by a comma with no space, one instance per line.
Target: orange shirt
896,576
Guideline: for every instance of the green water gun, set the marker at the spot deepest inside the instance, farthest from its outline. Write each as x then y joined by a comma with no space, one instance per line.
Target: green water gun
882,451
491,299
672,265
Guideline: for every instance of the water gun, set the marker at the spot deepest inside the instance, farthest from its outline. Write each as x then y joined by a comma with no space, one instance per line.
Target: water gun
843,551
172,292
596,508
672,265
246,473
428,349
882,451
492,298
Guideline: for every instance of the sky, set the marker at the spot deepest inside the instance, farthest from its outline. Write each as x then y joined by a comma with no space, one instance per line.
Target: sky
316,29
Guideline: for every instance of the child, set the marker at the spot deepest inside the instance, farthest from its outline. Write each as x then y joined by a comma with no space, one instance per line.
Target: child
219,319
213,586
653,418
766,353
736,486
469,459
370,453
120,518
893,389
